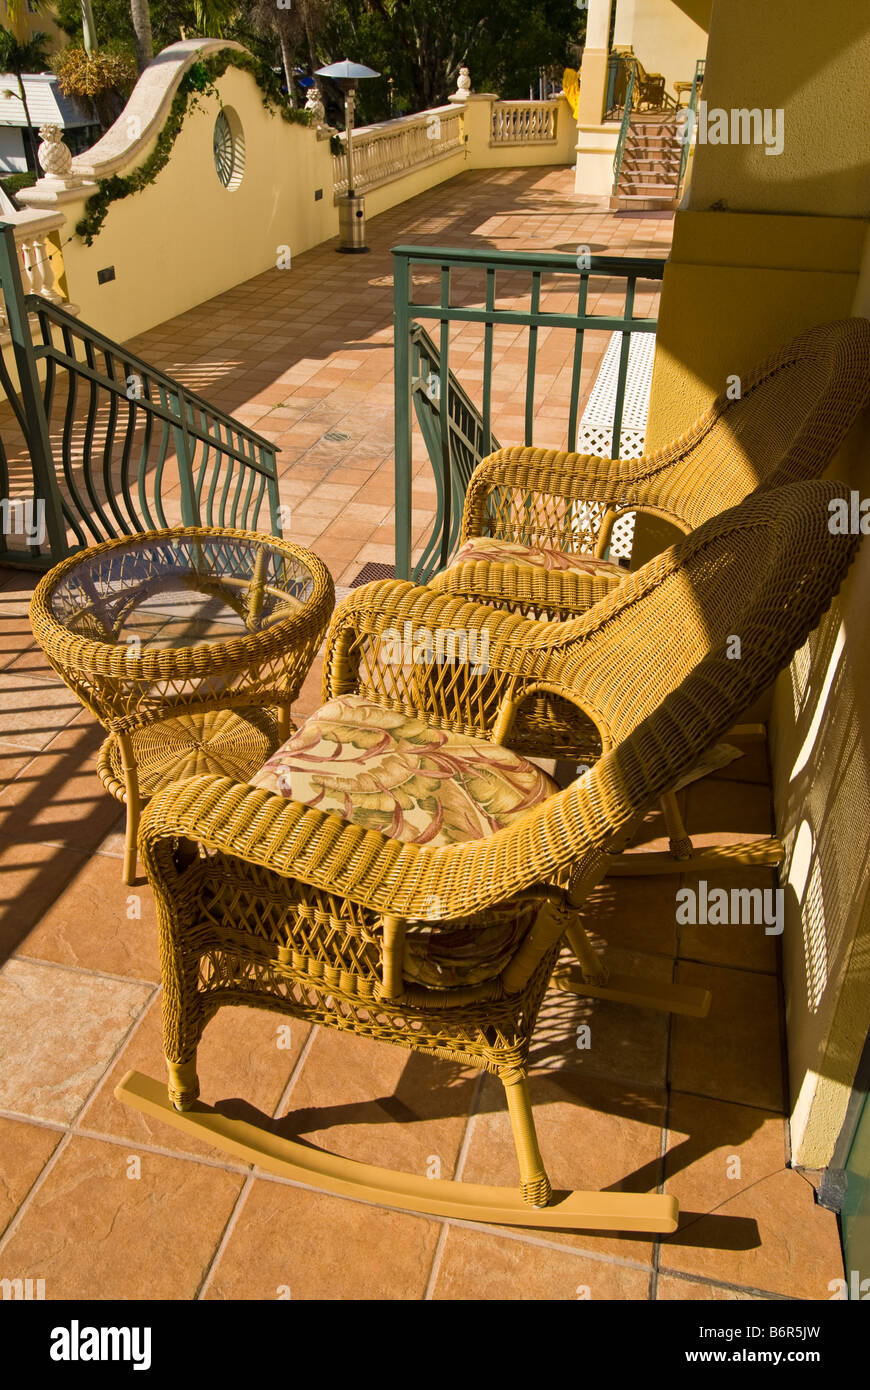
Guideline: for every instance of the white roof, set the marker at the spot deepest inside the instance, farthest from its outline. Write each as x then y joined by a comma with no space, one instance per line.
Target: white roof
45,100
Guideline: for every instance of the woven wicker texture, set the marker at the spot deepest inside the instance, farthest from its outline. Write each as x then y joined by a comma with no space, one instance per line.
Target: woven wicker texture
264,901
792,413
180,642
226,742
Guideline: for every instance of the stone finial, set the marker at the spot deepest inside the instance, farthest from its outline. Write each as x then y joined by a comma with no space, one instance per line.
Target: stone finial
53,155
314,105
463,83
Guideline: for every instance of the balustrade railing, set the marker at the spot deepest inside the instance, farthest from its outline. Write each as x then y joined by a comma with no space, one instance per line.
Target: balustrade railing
625,123
387,151
40,261
524,122
688,129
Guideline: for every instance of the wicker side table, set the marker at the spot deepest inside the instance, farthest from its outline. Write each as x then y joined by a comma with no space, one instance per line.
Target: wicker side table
189,646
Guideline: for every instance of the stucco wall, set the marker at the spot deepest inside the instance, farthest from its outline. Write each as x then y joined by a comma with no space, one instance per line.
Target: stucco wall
820,745
185,237
811,61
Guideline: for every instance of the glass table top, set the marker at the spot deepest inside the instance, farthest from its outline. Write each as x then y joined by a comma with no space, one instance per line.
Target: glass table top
181,591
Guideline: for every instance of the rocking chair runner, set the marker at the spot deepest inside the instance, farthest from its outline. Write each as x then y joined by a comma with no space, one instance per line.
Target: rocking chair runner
363,901
537,523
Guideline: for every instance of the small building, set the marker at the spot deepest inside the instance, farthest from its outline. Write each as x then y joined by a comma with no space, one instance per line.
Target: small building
46,104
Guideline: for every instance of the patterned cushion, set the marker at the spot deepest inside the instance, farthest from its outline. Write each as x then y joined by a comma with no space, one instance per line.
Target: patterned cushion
394,773
540,556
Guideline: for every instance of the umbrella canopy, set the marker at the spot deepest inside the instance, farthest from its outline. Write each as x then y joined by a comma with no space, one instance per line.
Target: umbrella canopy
347,71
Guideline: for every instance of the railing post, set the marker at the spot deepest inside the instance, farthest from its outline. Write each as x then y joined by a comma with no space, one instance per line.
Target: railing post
688,128
190,514
402,411
38,440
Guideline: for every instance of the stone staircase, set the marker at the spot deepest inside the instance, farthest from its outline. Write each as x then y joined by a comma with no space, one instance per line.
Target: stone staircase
650,173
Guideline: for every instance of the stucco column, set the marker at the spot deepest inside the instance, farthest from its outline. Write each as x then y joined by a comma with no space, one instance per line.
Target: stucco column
593,70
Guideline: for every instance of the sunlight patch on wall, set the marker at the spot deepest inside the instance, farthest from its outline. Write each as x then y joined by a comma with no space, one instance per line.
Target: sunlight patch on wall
809,742
805,878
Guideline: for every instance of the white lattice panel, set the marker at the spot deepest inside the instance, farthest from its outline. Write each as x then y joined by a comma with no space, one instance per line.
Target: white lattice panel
595,431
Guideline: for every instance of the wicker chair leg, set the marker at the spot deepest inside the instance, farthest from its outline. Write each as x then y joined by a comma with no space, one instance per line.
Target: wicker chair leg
183,1085
534,1183
679,840
133,803
285,723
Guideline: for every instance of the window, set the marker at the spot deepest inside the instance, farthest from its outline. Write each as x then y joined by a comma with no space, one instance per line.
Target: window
229,148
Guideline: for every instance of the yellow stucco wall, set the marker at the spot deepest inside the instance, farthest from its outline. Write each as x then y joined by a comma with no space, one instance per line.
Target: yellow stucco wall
820,744
185,237
415,181
27,23
667,37
483,155
793,249
816,73
736,287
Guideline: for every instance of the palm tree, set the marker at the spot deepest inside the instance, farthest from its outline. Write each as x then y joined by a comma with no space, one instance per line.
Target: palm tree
266,18
29,56
214,16
295,27
142,33
89,28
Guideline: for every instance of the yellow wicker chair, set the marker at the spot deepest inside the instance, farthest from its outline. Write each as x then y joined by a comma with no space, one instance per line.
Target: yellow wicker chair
343,890
537,523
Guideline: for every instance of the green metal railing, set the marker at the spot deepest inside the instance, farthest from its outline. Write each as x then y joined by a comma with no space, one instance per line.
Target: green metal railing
108,439
458,449
457,433
697,83
625,123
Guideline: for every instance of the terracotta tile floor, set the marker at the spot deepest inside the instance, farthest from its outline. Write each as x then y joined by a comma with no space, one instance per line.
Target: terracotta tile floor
689,1107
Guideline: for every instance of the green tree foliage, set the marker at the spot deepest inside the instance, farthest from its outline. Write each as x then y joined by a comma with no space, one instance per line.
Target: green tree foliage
115,21
417,45
421,45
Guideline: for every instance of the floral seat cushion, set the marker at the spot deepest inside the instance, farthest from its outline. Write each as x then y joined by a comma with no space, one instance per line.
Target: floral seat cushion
396,774
539,556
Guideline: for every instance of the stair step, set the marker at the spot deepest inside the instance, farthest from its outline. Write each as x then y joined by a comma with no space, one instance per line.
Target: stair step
657,194
665,152
645,180
665,166
637,203
635,171
655,144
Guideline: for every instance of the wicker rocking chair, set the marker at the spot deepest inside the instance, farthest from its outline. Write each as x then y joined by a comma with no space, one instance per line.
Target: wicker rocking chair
537,523
397,872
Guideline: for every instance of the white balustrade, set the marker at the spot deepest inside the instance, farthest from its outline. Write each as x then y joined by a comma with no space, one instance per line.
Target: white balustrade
524,122
386,151
35,250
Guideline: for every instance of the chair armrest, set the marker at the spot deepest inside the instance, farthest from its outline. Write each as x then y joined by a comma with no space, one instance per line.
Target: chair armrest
558,595
385,876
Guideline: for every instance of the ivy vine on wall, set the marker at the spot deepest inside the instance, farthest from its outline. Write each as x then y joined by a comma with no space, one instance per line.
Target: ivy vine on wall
199,80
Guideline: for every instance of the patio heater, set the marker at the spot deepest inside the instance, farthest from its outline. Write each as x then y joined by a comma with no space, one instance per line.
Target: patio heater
351,205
